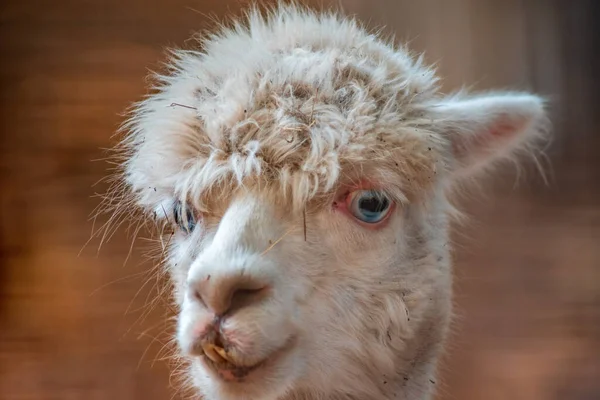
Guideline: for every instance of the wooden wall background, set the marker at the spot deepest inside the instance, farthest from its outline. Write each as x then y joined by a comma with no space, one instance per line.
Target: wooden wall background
528,279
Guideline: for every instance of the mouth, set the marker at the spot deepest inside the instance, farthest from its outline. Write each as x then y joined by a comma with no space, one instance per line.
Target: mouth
217,359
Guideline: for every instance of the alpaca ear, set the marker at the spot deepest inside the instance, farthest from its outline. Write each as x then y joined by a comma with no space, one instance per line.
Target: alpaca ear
486,128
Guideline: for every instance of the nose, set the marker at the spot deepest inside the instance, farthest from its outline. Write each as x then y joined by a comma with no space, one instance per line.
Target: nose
226,294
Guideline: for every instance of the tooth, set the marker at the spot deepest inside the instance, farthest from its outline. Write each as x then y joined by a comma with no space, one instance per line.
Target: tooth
221,351
213,353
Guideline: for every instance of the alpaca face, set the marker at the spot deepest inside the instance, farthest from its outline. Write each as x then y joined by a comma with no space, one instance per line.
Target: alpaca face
290,310
305,166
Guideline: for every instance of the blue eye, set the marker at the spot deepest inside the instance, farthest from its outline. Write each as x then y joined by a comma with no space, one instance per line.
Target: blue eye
369,206
186,222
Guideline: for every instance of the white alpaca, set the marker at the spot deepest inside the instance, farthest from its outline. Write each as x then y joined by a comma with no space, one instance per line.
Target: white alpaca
307,166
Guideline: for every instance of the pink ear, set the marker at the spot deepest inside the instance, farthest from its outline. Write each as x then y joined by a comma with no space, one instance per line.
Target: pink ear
487,128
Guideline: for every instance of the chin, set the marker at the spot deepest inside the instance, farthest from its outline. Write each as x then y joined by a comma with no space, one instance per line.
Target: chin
269,379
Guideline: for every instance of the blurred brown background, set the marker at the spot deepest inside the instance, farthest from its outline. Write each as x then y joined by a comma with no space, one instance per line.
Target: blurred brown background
528,266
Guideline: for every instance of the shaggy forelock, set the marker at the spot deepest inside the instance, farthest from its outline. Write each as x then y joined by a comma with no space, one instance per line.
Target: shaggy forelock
298,113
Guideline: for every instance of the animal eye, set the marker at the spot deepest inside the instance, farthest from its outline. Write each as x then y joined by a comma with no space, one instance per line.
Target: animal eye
184,217
369,206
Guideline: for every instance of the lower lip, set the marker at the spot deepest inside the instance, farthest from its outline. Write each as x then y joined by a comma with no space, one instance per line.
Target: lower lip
237,374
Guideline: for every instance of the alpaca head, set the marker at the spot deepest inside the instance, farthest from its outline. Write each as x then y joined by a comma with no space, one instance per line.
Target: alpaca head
305,166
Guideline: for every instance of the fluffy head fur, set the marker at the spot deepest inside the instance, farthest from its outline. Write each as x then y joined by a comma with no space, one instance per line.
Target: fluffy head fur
261,134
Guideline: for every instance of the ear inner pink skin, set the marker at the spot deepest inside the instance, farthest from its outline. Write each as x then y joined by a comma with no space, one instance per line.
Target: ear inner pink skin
502,131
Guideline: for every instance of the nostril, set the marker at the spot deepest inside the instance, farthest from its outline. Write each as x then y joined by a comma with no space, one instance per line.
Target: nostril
198,296
246,293
226,294
245,296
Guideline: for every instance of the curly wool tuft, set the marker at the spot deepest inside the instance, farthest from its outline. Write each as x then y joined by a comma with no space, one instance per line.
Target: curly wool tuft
291,112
